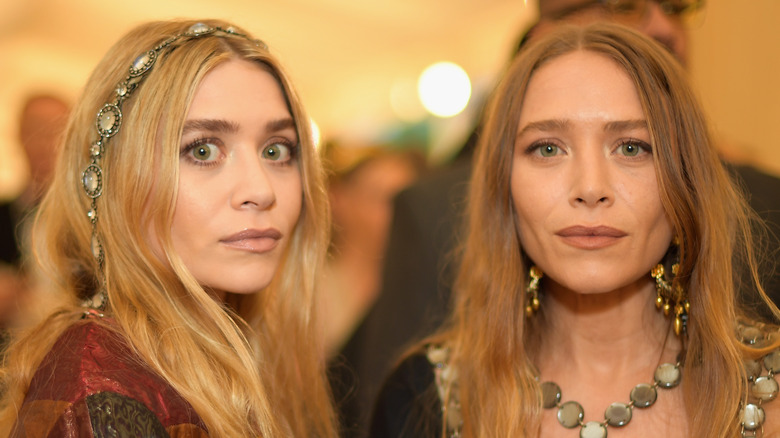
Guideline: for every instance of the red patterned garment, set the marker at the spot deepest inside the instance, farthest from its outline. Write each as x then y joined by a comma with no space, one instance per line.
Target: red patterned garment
91,384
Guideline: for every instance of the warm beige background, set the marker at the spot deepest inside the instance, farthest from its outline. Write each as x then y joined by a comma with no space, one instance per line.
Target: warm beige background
346,55
736,67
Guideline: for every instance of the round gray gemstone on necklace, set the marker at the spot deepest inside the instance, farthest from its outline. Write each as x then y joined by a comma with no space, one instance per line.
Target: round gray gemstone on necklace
752,369
551,394
570,414
667,375
593,429
772,361
618,414
750,334
752,416
764,388
643,395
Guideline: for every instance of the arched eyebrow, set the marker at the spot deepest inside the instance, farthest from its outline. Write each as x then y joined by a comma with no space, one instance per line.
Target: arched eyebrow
625,125
226,126
560,125
211,125
280,124
545,125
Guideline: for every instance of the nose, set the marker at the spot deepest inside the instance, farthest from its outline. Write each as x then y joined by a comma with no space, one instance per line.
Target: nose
591,183
252,186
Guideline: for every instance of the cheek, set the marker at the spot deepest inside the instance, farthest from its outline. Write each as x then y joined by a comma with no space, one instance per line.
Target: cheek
290,196
533,201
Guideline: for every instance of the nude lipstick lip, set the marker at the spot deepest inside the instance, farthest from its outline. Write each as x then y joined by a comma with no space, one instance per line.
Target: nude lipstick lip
253,240
583,237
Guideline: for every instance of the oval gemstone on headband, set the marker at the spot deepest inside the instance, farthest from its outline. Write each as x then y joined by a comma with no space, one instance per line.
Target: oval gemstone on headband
143,63
92,179
109,119
667,375
199,29
593,429
643,395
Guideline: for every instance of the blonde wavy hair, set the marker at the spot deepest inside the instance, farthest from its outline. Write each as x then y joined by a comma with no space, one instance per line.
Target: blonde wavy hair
249,365
492,343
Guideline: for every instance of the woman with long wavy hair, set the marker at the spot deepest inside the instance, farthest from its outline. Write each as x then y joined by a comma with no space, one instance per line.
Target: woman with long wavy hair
598,282
182,234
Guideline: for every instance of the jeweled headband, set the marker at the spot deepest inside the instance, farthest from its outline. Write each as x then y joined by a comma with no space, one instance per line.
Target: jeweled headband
109,120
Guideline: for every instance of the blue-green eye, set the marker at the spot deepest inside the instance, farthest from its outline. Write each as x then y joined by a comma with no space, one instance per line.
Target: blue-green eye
548,150
630,149
277,152
204,152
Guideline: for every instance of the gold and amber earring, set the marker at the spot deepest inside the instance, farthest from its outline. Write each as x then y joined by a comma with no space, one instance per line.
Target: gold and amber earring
532,291
670,294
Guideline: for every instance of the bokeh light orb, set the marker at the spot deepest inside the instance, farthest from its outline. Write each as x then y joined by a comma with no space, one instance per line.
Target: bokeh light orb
444,89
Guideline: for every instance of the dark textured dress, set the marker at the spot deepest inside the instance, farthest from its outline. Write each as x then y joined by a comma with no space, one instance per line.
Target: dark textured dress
91,384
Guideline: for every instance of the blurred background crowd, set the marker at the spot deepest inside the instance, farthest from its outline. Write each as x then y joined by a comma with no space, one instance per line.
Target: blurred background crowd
366,71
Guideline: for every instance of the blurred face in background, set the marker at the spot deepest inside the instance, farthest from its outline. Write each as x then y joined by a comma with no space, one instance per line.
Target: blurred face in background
663,20
362,202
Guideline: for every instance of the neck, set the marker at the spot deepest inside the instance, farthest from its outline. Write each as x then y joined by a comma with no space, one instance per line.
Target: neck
616,336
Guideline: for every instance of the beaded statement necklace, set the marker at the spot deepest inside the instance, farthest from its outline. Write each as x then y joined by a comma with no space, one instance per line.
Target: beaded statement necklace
571,414
762,388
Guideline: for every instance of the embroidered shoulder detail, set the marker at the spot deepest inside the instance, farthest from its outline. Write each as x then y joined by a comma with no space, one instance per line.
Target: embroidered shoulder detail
447,387
113,415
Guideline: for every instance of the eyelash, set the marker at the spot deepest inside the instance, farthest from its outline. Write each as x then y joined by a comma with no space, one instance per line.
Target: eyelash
186,150
644,146
536,147
293,149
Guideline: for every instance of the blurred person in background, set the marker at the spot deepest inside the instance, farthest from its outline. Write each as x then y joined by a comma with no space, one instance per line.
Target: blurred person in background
41,123
363,181
419,271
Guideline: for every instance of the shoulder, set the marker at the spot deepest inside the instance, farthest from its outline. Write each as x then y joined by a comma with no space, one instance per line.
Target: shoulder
91,377
408,404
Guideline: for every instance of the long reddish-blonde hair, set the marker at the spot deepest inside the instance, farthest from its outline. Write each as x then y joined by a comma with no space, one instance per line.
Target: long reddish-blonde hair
490,339
249,366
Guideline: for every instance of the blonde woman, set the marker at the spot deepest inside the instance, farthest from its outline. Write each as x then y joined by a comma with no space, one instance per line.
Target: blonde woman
597,290
186,204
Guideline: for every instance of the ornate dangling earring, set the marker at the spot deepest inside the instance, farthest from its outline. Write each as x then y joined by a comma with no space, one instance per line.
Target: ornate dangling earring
670,295
532,291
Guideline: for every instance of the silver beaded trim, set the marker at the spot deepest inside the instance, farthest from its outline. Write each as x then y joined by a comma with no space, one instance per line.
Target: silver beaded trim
109,120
